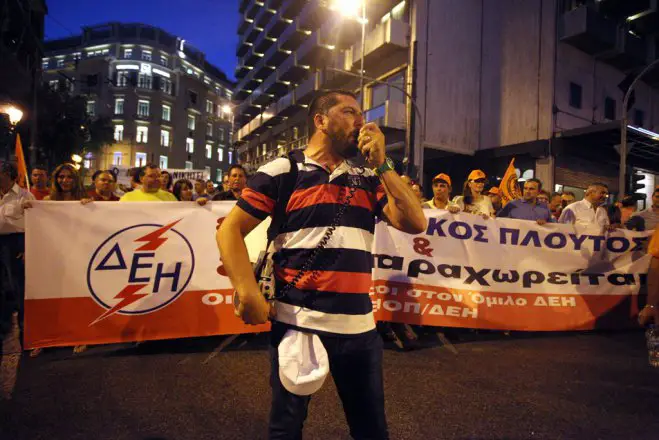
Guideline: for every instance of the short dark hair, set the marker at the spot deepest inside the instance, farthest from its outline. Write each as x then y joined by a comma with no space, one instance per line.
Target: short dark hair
40,167
656,188
10,169
628,202
322,103
569,193
99,172
234,166
555,195
533,179
96,174
178,187
603,185
150,165
136,173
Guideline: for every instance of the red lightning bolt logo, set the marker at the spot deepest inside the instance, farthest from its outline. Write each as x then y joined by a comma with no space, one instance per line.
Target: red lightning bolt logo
154,239
128,294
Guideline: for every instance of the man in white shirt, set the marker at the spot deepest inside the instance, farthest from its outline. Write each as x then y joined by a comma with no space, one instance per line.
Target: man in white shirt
441,188
13,200
590,210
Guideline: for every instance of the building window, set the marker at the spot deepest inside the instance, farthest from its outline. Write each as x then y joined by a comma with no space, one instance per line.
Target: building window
295,133
166,113
122,79
116,158
163,162
146,55
77,56
142,134
220,154
189,145
44,63
53,85
119,106
145,81
128,53
164,138
143,108
164,60
609,108
208,171
209,106
220,134
209,151
60,62
140,159
230,157
218,175
118,133
192,122
209,129
188,165
166,85
91,108
193,97
575,95
639,117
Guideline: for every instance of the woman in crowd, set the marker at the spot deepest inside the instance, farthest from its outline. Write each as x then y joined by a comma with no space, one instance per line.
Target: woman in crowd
472,199
165,181
104,186
66,186
183,191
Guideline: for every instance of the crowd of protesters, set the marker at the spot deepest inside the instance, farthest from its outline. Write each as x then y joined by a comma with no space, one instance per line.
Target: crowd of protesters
149,183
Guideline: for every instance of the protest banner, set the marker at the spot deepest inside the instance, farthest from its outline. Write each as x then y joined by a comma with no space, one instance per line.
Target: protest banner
121,272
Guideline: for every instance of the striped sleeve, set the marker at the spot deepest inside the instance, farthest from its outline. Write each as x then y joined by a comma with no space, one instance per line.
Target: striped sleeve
260,196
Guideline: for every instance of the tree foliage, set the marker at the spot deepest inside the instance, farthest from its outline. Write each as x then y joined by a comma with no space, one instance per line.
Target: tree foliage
65,128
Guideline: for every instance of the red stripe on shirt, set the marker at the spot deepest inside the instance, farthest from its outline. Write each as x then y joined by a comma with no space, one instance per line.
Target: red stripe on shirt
258,201
328,281
328,193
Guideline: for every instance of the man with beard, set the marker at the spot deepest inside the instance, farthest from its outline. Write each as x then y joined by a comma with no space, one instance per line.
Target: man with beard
237,182
590,210
325,313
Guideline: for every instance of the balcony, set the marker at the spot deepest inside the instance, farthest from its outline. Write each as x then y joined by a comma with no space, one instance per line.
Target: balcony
588,30
315,49
275,55
385,40
264,42
290,70
264,15
242,70
253,8
286,105
252,57
244,24
259,97
292,37
243,48
243,6
274,85
252,32
630,52
291,8
304,92
390,115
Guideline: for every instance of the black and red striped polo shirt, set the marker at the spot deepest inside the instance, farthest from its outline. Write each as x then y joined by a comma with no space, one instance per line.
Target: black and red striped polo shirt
335,299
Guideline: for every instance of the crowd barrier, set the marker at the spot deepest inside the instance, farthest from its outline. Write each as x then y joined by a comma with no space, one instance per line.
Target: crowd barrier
122,272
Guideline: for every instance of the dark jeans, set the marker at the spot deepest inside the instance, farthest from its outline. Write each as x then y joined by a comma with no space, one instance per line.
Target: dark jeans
356,366
12,279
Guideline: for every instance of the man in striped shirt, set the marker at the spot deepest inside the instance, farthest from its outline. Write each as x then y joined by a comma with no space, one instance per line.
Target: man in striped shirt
331,300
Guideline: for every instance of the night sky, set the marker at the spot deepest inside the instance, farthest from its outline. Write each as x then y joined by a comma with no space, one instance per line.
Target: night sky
208,25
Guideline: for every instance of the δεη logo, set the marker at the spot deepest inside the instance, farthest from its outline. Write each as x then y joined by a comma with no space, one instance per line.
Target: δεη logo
140,269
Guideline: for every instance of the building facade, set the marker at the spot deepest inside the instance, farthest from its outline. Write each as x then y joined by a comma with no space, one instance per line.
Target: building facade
289,49
21,41
538,80
168,105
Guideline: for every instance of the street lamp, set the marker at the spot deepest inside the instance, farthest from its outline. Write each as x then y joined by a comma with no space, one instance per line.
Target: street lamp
351,8
15,114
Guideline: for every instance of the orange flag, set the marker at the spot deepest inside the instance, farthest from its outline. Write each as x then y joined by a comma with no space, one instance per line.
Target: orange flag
509,188
22,181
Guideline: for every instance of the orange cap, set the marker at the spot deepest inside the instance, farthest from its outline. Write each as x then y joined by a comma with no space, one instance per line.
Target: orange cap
476,174
442,176
493,190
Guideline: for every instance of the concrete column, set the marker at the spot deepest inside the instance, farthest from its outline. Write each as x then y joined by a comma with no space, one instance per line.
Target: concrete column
544,171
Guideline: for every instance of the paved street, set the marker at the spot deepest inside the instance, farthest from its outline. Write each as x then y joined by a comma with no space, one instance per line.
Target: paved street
554,386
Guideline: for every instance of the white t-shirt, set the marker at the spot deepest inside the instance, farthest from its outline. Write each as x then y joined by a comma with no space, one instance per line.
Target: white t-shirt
480,207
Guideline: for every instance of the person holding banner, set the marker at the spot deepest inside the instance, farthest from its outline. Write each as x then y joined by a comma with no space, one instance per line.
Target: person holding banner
472,199
589,211
649,315
39,177
13,202
323,318
441,188
528,208
66,184
103,188
150,188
